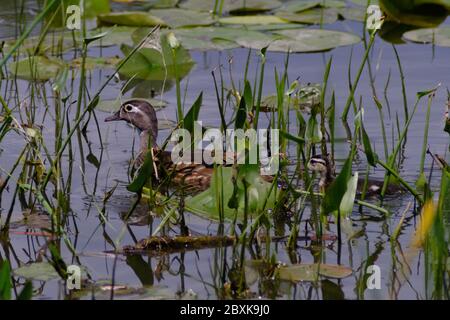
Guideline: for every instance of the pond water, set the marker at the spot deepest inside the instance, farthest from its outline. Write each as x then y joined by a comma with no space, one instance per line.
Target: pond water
197,273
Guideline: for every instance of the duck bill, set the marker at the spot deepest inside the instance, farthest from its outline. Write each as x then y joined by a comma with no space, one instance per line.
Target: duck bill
114,117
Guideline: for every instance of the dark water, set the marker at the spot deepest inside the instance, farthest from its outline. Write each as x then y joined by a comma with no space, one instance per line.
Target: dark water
424,68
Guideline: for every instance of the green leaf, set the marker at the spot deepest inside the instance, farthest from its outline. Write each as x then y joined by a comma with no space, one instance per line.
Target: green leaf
130,18
347,202
235,6
40,271
262,196
372,157
241,115
27,292
143,175
313,133
437,36
291,137
5,280
177,18
192,115
36,68
303,40
312,16
422,13
252,20
152,64
335,192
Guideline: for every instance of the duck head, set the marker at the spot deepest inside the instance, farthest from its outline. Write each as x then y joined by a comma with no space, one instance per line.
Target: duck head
322,165
140,114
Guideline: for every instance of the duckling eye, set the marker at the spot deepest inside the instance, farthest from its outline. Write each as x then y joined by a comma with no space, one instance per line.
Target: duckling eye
128,107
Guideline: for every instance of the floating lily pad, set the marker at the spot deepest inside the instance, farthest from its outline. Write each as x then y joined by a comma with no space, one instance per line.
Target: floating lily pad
236,6
130,18
36,68
34,221
355,14
252,20
299,6
421,13
312,16
274,27
40,271
364,2
152,64
176,18
308,97
437,36
114,36
305,40
310,272
219,37
96,62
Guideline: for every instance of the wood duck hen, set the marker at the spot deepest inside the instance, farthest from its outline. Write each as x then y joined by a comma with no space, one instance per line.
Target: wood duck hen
322,165
142,115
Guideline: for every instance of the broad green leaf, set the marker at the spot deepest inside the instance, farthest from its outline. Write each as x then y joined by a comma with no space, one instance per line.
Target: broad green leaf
130,18
176,18
347,202
36,68
305,40
236,6
312,16
372,157
5,280
192,115
313,133
252,20
152,64
311,272
437,36
41,271
261,194
421,13
355,14
335,192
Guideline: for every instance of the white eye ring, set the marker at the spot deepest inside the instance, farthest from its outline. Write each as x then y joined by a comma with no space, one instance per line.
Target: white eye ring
129,107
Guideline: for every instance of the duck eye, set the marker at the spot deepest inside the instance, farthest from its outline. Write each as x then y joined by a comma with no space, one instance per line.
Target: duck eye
128,107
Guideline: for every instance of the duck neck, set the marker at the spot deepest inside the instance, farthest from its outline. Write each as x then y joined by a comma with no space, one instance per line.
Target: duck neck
144,141
326,179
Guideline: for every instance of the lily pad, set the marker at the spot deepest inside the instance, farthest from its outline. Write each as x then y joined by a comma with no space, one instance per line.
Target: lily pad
114,36
36,68
355,14
152,64
312,16
176,18
364,2
236,6
219,37
308,97
130,18
252,20
274,27
305,40
96,62
299,6
310,272
421,13
40,271
437,36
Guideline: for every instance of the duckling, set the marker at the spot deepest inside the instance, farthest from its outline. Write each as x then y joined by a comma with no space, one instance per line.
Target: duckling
142,115
322,165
